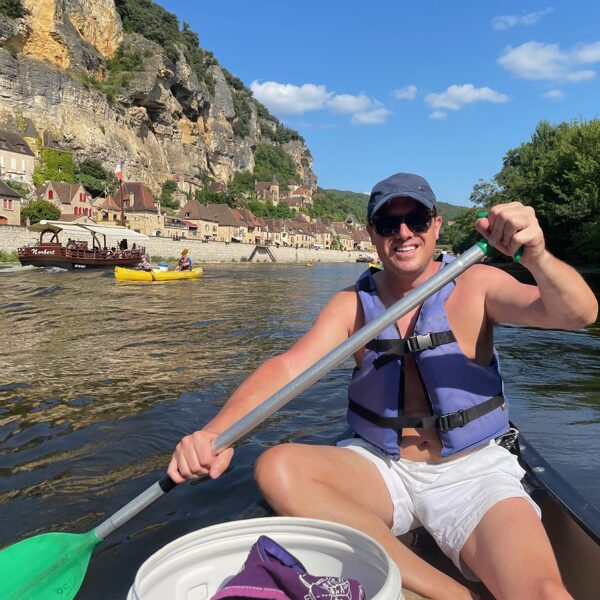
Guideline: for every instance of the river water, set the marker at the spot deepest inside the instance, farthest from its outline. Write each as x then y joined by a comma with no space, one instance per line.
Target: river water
100,379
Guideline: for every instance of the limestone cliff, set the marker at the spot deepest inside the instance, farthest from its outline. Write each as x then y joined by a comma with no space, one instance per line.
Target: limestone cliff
163,119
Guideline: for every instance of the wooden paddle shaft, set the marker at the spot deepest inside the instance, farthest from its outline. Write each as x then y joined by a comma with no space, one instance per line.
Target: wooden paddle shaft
295,387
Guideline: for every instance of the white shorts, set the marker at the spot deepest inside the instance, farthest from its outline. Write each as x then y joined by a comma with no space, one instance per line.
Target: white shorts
449,498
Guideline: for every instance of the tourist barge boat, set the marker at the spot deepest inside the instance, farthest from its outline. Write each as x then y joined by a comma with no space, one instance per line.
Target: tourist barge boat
105,246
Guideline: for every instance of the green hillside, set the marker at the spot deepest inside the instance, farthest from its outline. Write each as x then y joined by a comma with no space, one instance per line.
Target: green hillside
450,212
337,204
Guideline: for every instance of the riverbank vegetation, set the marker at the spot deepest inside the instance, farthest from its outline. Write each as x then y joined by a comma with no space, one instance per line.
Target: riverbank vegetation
9,257
557,172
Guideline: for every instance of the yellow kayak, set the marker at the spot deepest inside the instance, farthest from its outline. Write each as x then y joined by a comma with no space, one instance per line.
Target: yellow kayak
122,274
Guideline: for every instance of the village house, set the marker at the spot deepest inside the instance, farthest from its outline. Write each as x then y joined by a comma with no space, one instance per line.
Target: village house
301,235
142,212
362,241
322,233
199,214
230,226
178,229
10,205
276,232
106,210
342,235
294,204
17,160
217,187
302,192
69,198
267,190
353,223
256,233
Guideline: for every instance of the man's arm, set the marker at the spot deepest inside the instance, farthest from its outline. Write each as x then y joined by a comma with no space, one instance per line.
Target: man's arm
561,299
193,455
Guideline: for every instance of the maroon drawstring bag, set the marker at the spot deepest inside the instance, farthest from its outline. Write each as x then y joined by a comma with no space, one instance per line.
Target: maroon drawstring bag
271,573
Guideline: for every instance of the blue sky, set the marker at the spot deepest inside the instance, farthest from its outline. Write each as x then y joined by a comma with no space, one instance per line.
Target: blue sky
439,88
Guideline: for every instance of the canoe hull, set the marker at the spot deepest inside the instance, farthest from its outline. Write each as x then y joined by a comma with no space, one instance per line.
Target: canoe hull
122,274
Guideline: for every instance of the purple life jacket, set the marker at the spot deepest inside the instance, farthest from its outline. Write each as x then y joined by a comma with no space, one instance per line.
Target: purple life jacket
272,573
466,399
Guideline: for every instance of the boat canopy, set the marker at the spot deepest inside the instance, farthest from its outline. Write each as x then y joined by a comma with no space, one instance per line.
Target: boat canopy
116,231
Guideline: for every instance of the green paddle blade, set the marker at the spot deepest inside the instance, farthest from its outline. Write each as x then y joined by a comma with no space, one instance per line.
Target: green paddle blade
46,566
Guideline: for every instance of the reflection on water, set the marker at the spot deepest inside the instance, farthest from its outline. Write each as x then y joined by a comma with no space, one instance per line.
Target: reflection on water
100,379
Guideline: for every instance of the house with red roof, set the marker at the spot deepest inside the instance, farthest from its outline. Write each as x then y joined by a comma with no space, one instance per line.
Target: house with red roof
106,210
10,205
231,227
266,190
256,226
69,198
207,227
140,208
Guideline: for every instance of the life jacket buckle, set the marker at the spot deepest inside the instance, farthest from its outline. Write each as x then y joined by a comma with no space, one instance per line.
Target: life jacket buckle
419,342
452,421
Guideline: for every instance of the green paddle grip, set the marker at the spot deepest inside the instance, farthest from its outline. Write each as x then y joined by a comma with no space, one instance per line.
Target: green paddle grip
517,257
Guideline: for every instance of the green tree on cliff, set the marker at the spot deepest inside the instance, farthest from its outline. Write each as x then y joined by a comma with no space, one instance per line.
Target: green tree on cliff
12,8
93,176
166,195
37,210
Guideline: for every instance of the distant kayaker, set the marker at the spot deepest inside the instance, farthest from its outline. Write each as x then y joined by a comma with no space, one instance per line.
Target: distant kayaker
426,404
144,264
185,262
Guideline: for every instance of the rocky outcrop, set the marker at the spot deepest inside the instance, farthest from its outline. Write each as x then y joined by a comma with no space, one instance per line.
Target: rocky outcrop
163,120
72,34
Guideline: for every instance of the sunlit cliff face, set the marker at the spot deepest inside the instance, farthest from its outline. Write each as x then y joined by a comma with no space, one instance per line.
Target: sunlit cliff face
49,21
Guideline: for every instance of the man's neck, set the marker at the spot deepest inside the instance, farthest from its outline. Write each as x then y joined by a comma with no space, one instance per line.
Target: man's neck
400,284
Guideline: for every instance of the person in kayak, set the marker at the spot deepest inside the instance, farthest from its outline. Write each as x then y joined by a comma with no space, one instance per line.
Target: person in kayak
144,264
185,262
426,402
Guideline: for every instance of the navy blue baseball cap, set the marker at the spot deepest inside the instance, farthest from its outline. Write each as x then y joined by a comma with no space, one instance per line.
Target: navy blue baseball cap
400,185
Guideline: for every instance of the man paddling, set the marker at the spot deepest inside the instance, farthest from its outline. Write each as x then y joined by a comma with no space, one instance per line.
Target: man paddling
426,402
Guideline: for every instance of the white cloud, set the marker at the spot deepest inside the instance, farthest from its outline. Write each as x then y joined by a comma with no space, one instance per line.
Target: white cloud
587,54
535,60
458,96
289,99
377,116
436,115
286,98
408,92
347,103
507,21
554,95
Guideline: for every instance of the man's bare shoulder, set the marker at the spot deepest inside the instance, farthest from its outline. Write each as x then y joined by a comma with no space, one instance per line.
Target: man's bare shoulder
345,299
483,277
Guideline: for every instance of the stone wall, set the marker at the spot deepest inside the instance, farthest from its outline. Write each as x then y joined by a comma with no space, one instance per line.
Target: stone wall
12,236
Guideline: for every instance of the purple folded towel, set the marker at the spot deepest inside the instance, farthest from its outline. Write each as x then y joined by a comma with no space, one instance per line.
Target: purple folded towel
272,573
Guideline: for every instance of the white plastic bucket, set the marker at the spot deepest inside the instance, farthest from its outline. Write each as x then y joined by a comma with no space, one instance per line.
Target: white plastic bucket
197,565
162,267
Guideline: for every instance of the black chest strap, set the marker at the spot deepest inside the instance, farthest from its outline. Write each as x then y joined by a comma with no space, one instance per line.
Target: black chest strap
394,349
444,422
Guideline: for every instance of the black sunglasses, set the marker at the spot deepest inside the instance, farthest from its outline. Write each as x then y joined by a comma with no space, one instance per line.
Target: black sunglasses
418,221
